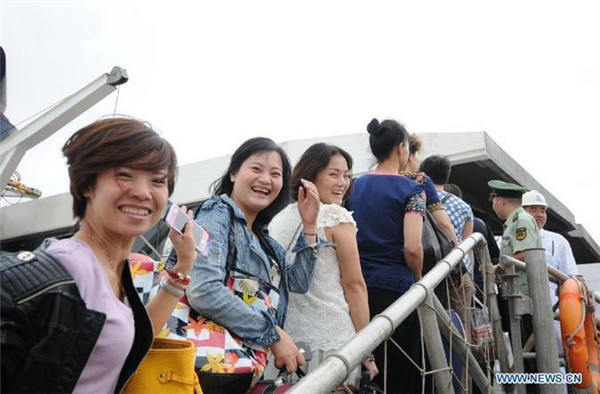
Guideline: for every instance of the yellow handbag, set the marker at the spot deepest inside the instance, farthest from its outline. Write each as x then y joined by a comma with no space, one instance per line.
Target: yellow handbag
167,368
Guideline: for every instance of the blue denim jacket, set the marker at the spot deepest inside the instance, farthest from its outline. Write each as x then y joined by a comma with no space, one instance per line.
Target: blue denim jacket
207,293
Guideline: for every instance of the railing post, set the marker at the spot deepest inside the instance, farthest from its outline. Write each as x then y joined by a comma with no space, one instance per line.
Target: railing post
561,276
542,316
435,348
494,310
515,310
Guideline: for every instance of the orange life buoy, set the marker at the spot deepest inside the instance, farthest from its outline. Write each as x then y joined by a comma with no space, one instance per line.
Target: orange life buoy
578,333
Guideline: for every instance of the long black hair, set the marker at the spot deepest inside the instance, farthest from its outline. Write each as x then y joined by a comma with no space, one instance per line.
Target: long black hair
247,149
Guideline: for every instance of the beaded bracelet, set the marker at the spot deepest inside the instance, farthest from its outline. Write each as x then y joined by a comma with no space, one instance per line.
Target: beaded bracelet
309,235
180,277
173,282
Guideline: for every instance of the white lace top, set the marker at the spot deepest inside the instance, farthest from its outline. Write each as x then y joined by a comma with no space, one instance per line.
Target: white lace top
321,316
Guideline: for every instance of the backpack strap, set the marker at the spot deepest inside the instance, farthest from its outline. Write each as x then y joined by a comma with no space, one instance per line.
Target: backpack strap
268,249
230,263
446,197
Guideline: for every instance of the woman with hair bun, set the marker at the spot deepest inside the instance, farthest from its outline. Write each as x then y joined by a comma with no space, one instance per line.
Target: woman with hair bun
389,209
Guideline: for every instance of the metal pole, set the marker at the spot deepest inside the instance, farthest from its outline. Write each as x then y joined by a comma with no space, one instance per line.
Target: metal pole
14,147
543,318
447,329
492,303
337,366
489,282
435,348
515,326
561,276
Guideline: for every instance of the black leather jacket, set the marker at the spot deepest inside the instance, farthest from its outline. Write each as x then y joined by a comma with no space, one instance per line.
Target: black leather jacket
46,332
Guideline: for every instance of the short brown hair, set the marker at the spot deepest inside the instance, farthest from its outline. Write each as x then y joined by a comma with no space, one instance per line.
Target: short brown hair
414,144
110,143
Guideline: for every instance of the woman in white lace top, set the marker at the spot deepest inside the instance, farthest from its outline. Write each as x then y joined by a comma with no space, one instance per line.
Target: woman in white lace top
335,306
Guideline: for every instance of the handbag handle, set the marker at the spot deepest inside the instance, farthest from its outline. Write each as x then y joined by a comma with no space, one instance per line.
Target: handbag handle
446,197
170,376
283,374
268,249
296,235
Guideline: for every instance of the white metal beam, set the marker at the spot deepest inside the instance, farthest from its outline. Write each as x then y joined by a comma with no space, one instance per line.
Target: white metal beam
14,147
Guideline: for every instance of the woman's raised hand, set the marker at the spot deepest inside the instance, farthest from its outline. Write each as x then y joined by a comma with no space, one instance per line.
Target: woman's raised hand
185,245
308,206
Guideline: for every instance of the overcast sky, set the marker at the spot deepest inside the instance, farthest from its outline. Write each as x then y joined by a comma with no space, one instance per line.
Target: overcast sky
209,75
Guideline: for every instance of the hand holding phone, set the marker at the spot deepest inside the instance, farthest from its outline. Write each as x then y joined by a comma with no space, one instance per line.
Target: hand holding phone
177,219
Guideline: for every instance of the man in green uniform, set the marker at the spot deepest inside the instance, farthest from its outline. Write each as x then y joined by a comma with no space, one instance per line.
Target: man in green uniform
520,234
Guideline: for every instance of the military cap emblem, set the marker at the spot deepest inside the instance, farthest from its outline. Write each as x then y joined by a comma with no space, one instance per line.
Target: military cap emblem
521,233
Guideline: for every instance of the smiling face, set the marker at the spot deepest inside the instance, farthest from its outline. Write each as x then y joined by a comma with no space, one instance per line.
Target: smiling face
257,183
126,202
539,214
333,181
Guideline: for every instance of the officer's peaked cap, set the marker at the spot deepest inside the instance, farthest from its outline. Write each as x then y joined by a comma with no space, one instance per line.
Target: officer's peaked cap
506,189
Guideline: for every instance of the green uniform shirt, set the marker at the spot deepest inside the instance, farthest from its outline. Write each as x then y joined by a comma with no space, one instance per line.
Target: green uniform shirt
520,234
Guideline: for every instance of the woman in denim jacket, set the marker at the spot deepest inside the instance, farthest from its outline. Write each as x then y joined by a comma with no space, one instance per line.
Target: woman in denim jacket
254,189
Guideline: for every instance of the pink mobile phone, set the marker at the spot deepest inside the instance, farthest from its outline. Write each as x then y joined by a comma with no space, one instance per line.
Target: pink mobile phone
177,219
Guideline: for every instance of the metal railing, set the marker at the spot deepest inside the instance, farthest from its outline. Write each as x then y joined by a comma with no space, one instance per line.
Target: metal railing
338,366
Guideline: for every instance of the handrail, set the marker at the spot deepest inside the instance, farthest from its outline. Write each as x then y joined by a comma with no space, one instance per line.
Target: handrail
554,272
337,366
